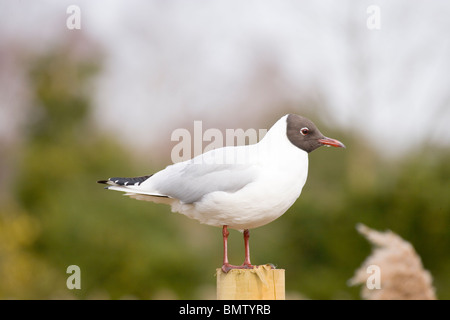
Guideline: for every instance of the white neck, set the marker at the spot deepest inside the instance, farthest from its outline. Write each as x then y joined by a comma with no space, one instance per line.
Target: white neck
275,146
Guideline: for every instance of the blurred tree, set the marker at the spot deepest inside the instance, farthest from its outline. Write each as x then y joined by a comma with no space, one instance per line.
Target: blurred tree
24,274
74,221
57,215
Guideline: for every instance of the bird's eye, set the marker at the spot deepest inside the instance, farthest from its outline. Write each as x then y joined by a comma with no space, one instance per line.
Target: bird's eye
304,131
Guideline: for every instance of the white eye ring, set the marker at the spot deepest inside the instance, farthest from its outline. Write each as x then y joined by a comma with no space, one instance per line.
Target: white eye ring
304,131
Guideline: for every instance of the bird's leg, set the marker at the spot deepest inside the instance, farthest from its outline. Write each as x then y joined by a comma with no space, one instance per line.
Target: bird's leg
247,263
226,265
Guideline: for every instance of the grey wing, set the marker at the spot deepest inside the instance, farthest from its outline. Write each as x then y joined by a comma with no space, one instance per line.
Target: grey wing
189,182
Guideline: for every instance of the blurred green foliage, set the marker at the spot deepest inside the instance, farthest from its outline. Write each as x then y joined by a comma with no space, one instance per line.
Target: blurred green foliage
57,215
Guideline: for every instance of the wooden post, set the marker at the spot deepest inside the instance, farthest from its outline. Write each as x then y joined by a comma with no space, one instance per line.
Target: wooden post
260,283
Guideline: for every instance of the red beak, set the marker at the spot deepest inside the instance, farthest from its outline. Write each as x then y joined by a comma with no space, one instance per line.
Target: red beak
331,142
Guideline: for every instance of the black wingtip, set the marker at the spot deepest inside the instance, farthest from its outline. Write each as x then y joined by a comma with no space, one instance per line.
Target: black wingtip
125,181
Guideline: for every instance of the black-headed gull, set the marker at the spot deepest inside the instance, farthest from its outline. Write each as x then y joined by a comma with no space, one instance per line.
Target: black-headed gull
241,187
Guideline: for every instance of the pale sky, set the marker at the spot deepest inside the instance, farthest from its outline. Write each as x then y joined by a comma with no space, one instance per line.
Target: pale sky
234,63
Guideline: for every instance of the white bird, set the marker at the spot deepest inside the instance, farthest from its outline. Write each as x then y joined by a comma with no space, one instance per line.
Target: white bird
242,187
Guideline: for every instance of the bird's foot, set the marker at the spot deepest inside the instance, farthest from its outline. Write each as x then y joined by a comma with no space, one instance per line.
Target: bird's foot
227,267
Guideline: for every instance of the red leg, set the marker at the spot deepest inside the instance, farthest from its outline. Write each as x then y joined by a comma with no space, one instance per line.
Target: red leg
247,263
226,265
